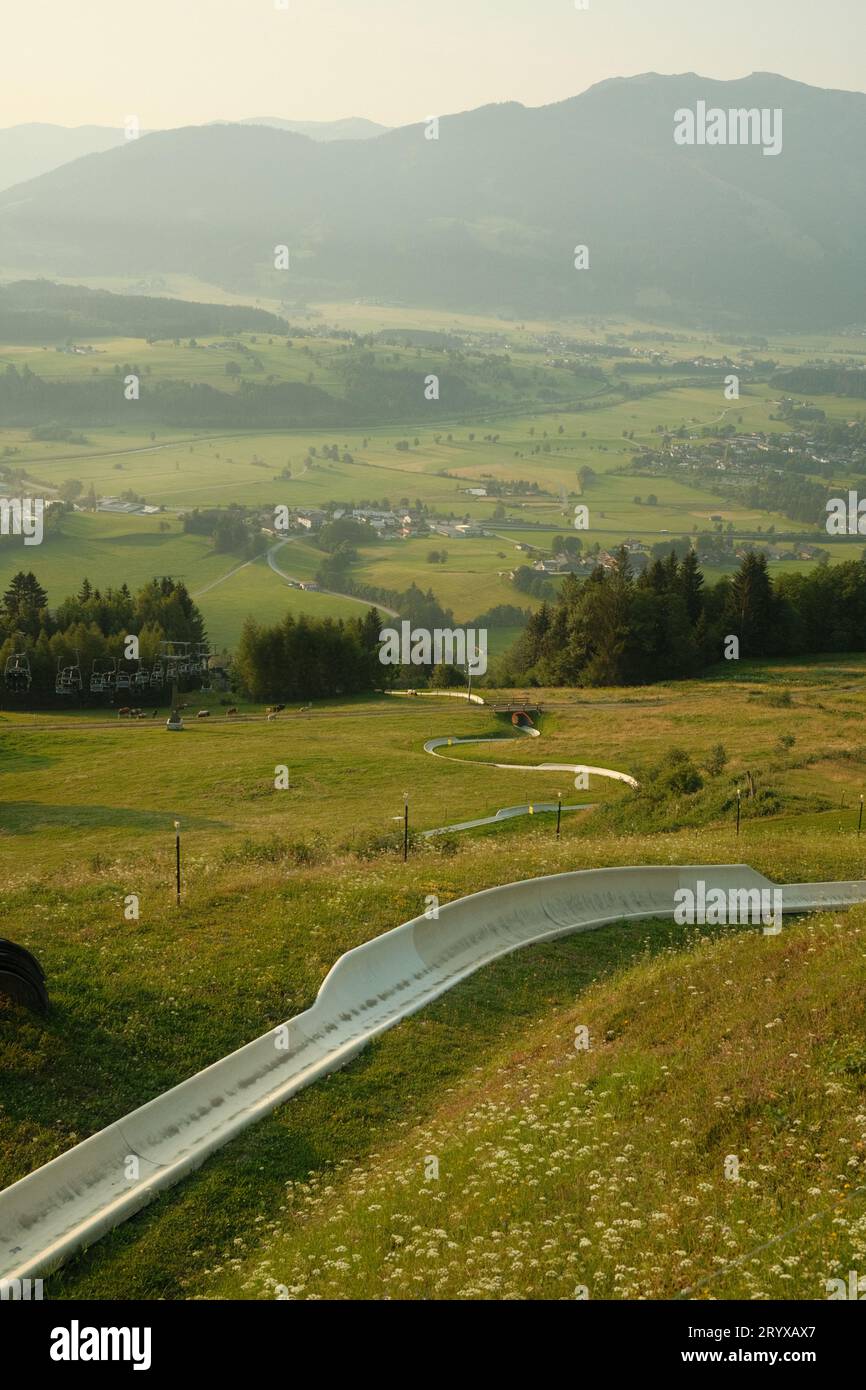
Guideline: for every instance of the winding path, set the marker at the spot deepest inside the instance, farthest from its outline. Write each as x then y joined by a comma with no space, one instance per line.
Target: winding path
292,579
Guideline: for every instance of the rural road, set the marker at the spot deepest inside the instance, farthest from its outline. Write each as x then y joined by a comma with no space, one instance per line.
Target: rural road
350,598
291,580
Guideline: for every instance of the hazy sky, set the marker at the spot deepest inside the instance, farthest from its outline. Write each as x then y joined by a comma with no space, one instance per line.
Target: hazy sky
178,62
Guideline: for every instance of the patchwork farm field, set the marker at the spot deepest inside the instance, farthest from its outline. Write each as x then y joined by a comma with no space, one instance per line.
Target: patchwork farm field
557,417
264,470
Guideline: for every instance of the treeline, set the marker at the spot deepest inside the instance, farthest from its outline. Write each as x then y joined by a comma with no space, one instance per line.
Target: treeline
303,658
27,400
501,615
368,394
399,391
414,604
234,530
782,486
613,629
92,625
795,497
37,311
529,581
823,381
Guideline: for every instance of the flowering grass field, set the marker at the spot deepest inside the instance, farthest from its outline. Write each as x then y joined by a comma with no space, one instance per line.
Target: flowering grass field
487,1080
710,1144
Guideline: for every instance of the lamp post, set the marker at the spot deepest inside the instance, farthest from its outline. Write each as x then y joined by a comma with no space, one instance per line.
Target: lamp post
860,821
558,813
405,826
738,811
177,858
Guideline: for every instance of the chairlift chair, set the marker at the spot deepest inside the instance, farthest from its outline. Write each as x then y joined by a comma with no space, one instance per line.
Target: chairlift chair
102,675
174,651
68,677
17,674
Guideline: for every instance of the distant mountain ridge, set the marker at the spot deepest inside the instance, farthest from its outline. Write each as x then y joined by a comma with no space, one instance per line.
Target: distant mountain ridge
351,128
27,151
488,215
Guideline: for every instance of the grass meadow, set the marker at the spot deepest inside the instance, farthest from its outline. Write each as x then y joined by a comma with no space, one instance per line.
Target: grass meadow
551,1177
560,1174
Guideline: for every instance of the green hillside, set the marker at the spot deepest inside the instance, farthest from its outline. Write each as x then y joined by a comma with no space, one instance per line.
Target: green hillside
86,818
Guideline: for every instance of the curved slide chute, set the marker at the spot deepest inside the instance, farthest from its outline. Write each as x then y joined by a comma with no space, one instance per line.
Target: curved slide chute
76,1198
434,745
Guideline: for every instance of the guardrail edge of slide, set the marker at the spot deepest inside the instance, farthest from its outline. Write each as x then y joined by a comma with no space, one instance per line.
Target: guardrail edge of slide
73,1200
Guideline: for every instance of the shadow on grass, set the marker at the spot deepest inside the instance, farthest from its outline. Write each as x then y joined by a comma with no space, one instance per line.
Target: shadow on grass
15,760
26,817
151,539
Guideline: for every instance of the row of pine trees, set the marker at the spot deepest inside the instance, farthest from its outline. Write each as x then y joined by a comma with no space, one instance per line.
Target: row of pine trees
92,625
615,629
609,629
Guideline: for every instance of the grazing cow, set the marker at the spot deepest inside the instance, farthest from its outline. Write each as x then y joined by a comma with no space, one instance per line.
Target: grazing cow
231,711
203,714
124,713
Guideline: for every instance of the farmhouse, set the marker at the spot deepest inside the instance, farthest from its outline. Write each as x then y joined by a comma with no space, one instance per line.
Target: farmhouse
558,565
374,516
114,504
